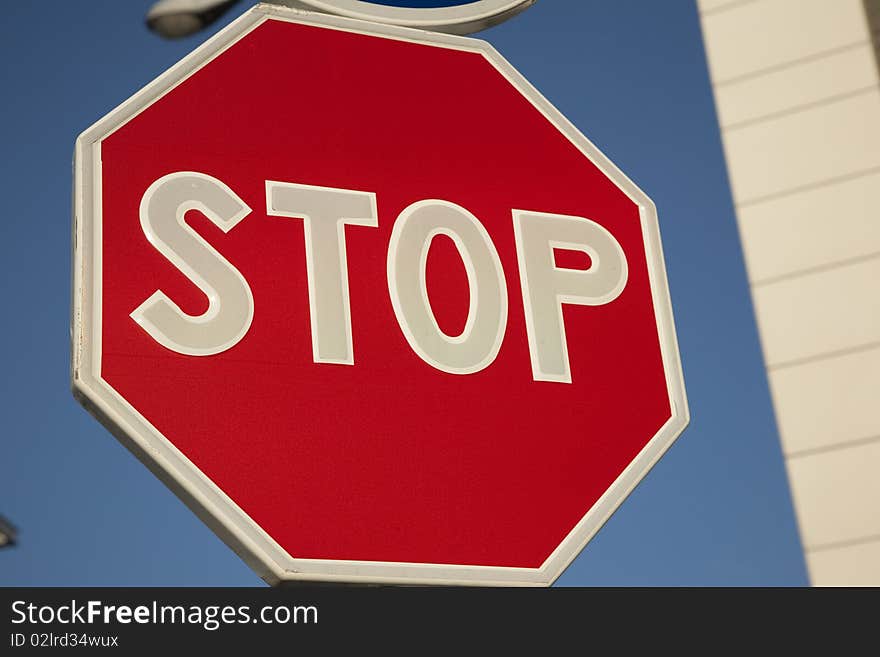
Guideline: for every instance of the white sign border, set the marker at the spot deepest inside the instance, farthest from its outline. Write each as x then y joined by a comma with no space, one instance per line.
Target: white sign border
212,505
458,19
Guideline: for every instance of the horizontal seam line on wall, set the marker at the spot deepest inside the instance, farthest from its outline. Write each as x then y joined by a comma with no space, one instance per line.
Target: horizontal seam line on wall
856,442
823,356
730,5
873,538
827,182
830,100
785,65
816,269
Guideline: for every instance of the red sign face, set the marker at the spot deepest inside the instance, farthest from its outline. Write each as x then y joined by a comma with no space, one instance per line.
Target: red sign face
368,303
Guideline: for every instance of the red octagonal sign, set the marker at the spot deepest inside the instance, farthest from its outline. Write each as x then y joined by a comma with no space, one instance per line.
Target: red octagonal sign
371,306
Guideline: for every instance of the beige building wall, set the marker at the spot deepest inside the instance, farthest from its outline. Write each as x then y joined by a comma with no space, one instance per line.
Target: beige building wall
798,98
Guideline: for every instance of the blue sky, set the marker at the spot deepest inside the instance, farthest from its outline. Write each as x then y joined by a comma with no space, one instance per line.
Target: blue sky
630,74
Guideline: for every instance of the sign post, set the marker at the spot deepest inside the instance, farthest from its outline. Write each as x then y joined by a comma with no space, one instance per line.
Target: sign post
383,316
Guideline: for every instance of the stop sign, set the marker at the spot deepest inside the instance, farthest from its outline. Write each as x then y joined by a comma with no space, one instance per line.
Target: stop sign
371,306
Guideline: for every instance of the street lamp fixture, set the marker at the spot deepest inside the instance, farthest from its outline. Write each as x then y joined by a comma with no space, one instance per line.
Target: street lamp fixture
8,533
174,19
